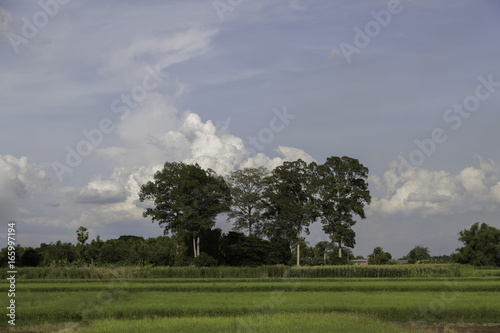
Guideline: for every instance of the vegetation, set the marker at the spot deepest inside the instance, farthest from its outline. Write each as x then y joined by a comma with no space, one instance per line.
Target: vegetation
418,253
343,193
247,210
379,257
187,199
280,271
481,246
289,198
252,304
256,282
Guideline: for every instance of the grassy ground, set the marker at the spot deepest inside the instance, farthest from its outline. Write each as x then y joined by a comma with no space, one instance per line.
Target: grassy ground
301,322
256,305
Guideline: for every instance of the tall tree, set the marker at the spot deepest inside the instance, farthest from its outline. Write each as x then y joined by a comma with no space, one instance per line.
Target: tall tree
187,198
342,193
82,235
481,246
247,188
289,197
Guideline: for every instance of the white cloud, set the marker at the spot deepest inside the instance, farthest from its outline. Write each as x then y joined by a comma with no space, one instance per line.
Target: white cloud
157,132
20,183
167,51
428,192
100,191
20,178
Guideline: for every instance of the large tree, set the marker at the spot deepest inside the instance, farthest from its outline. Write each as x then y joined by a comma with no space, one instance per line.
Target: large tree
289,197
481,246
187,198
247,187
342,194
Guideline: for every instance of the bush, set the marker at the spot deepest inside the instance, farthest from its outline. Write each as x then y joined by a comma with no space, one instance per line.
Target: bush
204,260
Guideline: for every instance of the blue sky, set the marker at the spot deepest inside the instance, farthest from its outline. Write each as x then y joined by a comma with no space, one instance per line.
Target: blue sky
229,84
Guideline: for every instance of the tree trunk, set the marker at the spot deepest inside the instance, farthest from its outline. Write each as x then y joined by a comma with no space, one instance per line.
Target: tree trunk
340,249
250,221
298,248
194,245
198,246
324,258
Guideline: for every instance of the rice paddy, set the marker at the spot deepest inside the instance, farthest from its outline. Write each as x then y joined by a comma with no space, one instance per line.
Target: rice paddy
253,304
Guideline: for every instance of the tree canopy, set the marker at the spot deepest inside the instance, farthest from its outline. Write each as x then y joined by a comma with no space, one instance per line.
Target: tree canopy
481,246
418,253
342,193
187,198
247,186
289,198
379,257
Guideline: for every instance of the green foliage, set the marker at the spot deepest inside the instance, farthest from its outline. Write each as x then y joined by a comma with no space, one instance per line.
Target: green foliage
418,253
343,193
187,198
277,271
254,322
289,200
379,257
82,235
247,187
241,250
481,246
30,258
204,260
256,300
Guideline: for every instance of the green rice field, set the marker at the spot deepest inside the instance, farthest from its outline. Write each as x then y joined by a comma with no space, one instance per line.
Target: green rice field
255,304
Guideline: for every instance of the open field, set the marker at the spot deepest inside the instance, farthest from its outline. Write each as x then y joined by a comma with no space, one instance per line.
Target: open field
255,304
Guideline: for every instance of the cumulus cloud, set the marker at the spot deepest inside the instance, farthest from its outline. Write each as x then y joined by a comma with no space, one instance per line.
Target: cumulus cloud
99,191
427,192
157,132
20,182
20,178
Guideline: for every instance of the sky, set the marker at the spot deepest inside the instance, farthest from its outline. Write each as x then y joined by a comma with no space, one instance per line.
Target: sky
97,96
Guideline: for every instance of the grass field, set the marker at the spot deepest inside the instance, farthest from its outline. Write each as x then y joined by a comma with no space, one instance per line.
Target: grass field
254,304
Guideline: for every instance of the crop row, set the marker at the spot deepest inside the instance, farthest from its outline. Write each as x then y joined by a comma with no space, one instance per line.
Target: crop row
121,304
432,270
284,285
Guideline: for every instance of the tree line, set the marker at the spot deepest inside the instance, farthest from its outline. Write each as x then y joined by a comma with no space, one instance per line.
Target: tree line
276,206
270,210
481,248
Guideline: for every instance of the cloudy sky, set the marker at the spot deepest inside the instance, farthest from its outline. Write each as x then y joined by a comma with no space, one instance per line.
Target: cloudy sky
96,96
